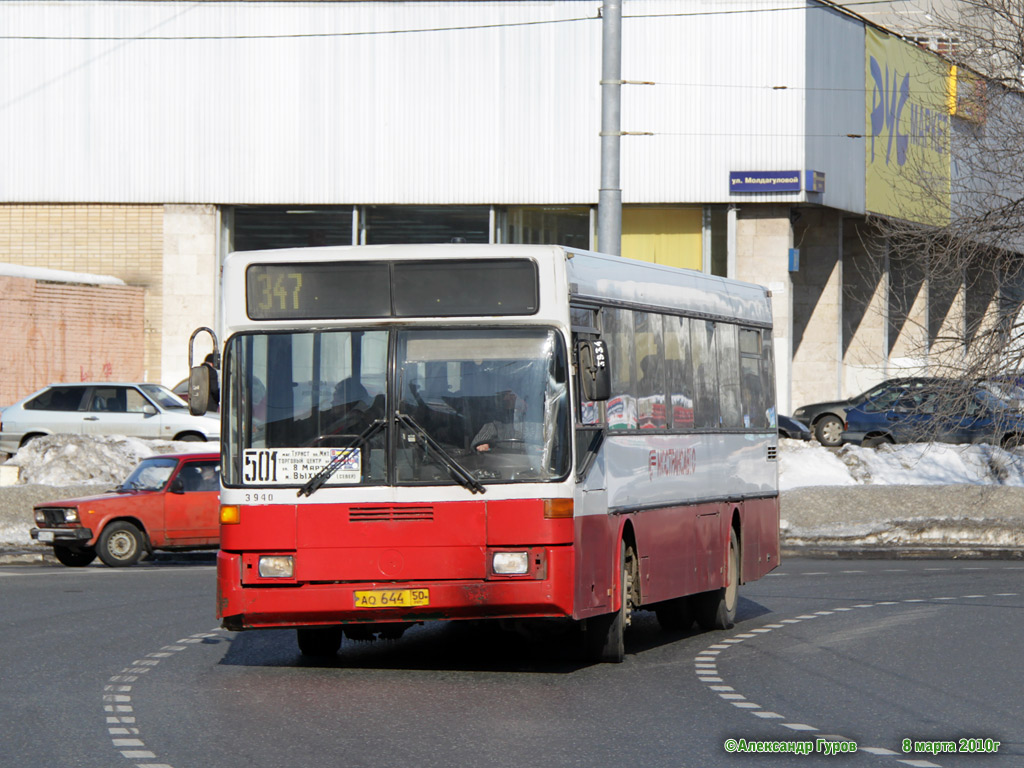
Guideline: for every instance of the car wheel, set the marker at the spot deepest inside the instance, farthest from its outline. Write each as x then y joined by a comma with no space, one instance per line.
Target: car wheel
829,431
120,544
190,437
876,440
74,558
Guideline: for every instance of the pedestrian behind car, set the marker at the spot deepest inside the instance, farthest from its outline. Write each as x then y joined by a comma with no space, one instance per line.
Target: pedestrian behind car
214,403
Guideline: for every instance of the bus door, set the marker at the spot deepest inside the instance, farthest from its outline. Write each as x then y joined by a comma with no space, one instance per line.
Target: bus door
595,535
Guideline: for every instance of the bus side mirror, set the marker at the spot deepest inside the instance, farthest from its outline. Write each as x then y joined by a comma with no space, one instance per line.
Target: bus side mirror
595,373
200,376
198,389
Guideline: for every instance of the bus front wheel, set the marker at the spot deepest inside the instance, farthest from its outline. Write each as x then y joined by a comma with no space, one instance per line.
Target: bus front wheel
605,636
717,609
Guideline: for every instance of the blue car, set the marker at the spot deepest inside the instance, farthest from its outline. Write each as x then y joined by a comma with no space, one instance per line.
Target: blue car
947,413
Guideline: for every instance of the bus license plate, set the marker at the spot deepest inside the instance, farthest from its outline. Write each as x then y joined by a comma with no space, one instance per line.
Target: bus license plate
392,598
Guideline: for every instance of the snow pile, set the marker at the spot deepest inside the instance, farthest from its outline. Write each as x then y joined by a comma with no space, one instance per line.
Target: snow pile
803,464
59,460
908,495
62,460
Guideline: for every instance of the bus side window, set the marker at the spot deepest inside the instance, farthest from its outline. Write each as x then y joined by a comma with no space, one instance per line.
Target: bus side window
618,333
650,370
679,371
705,374
731,408
768,378
751,385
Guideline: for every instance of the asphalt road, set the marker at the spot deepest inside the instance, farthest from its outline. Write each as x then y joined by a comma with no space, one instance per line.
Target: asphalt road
126,667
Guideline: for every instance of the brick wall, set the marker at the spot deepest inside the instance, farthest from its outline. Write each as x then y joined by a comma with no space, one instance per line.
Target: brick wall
67,332
124,241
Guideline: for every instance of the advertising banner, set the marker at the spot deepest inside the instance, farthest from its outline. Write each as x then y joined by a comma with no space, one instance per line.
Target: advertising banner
907,144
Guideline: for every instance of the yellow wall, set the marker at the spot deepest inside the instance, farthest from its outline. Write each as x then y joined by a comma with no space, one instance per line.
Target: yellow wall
670,236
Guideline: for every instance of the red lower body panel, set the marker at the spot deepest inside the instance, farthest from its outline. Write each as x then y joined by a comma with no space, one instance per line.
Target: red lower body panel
263,605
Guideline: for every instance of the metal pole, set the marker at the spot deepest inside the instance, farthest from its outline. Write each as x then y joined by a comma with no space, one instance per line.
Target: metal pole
609,201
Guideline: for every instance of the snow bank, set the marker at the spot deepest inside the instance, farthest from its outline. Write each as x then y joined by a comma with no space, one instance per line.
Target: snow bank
59,460
929,494
803,464
73,459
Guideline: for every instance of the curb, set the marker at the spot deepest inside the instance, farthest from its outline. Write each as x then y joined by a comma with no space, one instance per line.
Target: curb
19,556
902,552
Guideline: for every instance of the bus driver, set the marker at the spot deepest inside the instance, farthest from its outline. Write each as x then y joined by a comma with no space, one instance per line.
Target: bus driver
507,425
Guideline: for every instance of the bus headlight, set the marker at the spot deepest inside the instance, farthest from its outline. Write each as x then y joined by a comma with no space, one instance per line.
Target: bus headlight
511,563
277,566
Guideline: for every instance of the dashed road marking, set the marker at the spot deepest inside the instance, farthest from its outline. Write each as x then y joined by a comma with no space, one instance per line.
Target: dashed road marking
122,727
706,668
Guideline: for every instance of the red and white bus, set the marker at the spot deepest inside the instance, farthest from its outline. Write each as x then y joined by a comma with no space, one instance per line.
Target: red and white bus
414,433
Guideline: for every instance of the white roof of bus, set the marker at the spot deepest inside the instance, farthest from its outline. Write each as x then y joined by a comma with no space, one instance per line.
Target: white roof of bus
601,277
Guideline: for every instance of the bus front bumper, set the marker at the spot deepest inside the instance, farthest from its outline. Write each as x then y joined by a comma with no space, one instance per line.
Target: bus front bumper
263,606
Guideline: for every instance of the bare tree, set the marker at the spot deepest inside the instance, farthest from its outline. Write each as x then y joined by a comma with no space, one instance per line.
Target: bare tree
972,267
955,288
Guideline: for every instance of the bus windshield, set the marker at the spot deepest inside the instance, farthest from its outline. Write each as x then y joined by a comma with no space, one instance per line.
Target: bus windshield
491,403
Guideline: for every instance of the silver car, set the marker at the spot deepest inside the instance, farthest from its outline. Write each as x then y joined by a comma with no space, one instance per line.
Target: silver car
104,408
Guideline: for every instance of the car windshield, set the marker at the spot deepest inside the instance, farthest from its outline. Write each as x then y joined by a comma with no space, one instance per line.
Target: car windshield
151,475
163,396
466,405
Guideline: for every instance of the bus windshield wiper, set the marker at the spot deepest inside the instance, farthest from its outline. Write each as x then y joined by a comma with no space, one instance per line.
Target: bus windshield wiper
591,455
458,472
321,477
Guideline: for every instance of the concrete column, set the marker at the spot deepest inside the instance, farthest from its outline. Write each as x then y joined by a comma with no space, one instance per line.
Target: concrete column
191,273
817,306
865,308
762,243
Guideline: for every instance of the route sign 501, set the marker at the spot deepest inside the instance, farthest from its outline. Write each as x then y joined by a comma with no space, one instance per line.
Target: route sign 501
294,466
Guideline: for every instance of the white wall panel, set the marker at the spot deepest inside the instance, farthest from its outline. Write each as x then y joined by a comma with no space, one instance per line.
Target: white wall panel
493,115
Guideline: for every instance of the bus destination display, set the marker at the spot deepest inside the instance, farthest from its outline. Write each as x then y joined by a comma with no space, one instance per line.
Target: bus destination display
339,290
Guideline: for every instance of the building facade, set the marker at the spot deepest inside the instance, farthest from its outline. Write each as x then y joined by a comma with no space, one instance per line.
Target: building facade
147,140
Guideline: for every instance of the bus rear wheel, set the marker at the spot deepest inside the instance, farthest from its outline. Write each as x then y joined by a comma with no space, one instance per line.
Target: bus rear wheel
318,641
717,609
605,636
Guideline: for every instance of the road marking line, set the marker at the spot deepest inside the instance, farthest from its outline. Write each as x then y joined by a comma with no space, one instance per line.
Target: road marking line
728,693
116,700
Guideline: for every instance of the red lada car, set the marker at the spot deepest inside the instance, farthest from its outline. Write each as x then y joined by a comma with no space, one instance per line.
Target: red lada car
168,502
